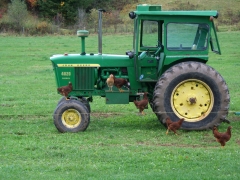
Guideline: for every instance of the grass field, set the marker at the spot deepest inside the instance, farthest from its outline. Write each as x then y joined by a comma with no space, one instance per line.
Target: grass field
118,143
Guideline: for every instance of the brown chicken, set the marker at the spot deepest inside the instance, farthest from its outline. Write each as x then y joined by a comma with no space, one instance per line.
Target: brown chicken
174,126
142,104
222,138
110,82
168,121
65,90
120,82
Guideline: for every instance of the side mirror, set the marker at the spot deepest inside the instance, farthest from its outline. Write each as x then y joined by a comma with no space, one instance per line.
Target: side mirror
132,15
130,54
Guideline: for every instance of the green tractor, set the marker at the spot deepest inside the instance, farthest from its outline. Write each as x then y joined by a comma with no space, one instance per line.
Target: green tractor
168,60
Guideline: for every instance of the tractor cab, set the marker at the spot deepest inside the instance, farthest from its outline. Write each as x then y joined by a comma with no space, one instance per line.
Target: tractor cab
163,38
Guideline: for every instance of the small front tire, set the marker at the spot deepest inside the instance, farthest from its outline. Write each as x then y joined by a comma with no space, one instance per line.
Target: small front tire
71,116
81,99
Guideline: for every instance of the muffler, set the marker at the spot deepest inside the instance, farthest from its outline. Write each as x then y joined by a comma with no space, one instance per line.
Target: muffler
100,30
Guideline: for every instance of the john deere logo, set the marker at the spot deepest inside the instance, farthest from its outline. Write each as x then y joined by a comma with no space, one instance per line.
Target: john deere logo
78,65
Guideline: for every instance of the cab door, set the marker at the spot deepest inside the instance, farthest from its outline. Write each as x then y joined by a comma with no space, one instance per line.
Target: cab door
214,40
150,40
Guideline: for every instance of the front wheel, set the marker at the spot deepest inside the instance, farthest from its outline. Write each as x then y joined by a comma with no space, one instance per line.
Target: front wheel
81,99
71,116
193,91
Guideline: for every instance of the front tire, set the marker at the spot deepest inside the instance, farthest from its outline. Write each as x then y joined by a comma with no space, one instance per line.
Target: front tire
71,116
193,91
81,99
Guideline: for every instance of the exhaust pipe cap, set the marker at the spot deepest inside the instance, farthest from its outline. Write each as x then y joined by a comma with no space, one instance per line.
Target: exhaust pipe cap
82,33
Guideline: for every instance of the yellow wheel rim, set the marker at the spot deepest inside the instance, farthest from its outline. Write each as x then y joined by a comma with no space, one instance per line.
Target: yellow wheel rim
192,99
71,118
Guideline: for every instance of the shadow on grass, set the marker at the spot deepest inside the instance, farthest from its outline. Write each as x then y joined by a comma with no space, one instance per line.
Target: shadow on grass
116,120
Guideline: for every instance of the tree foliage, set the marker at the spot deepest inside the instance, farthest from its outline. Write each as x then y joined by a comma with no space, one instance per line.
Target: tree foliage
17,12
67,9
55,15
93,19
3,7
49,16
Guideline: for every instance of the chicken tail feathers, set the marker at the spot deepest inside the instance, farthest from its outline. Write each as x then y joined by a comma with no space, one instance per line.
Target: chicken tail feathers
134,101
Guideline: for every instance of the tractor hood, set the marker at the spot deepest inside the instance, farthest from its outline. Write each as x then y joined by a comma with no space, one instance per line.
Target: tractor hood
91,60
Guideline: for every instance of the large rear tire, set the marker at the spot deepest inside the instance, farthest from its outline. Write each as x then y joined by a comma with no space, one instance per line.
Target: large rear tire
193,91
71,116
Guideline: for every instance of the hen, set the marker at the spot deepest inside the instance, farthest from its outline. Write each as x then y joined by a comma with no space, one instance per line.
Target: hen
120,82
110,82
65,90
142,104
168,121
222,138
174,126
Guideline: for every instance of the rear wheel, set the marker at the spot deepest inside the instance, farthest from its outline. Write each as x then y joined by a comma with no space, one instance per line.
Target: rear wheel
71,116
193,91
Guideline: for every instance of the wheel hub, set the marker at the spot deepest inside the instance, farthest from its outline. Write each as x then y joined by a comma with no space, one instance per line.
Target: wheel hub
192,99
71,118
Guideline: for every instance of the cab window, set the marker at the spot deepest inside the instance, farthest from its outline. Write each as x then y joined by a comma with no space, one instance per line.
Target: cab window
187,36
149,34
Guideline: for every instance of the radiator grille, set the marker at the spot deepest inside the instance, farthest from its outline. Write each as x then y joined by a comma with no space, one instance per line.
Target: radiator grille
84,77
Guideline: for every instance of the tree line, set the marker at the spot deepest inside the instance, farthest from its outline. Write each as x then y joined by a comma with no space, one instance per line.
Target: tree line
51,16
37,17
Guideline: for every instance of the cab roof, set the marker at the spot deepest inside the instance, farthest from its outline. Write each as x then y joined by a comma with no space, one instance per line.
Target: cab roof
146,9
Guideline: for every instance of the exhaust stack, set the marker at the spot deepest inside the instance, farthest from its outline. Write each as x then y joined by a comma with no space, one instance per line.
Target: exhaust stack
100,30
83,34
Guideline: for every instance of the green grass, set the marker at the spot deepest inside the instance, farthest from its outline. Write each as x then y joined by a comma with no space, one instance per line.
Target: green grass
118,143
